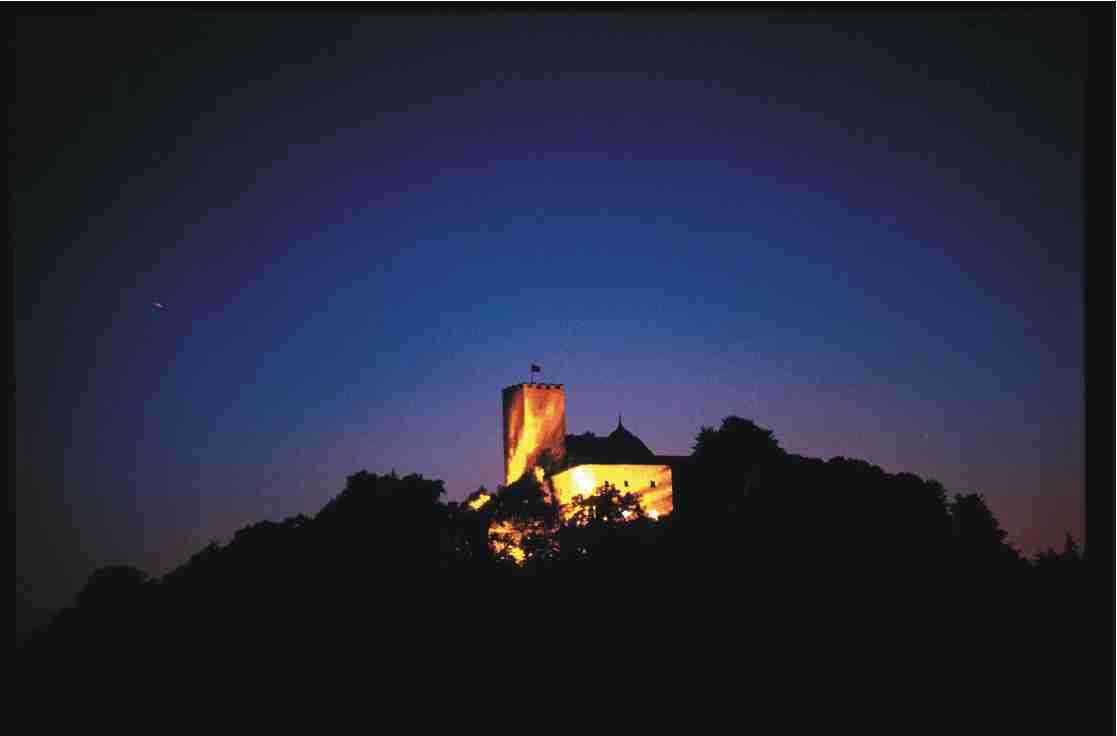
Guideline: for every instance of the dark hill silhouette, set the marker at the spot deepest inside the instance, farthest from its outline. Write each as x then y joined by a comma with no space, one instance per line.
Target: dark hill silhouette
765,536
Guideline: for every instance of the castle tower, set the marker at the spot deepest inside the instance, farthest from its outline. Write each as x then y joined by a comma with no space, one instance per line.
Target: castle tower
534,422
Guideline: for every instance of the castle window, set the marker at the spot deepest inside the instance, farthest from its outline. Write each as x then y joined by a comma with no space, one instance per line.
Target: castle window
626,484
653,484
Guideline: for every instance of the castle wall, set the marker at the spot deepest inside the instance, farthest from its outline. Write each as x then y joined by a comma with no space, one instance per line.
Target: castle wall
534,422
652,484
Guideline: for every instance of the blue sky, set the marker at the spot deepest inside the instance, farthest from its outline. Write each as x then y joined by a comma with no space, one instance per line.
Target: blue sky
863,232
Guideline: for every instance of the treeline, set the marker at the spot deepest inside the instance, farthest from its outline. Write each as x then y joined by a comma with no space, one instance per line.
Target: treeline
757,533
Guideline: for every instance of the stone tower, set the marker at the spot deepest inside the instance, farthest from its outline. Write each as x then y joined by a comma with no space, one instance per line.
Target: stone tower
534,422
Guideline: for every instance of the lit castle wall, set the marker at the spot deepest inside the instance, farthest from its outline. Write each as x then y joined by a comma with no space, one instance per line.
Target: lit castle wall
650,483
535,422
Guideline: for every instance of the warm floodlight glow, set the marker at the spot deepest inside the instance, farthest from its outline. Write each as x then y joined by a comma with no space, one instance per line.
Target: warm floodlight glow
651,484
507,539
584,482
480,501
535,426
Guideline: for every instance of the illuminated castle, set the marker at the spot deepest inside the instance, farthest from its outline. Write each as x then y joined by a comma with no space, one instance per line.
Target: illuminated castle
535,441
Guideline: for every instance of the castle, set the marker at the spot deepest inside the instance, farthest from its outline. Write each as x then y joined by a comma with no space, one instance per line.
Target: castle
535,441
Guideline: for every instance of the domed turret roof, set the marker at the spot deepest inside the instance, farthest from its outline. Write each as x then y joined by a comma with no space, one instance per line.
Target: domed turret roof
627,445
620,446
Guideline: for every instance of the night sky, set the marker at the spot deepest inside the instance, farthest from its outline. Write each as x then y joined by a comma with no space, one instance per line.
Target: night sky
863,232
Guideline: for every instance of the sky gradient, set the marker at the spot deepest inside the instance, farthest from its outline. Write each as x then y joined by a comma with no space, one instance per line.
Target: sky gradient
861,231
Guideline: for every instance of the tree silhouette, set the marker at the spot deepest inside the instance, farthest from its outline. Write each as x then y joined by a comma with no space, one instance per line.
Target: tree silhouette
730,463
465,534
1049,558
980,544
522,523
112,586
387,551
607,534
606,505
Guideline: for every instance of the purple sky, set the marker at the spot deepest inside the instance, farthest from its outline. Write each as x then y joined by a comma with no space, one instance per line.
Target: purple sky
863,232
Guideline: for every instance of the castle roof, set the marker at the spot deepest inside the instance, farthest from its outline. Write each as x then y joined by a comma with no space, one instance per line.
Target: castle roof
620,446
